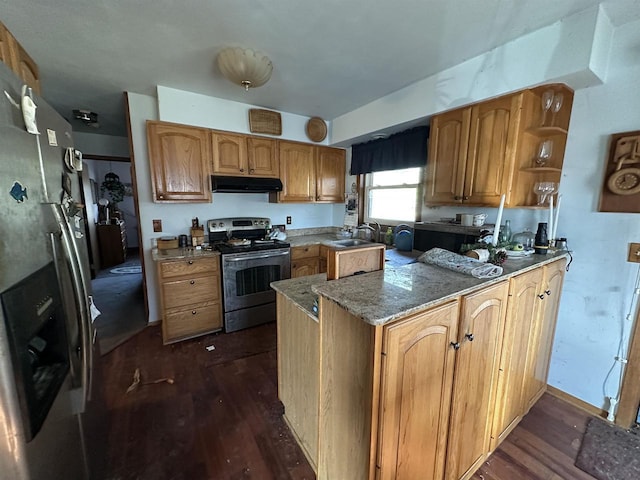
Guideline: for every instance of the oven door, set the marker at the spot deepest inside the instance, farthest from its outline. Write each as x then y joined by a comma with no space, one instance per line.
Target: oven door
247,277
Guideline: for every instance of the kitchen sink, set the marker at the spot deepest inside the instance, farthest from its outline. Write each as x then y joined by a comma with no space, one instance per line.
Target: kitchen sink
350,242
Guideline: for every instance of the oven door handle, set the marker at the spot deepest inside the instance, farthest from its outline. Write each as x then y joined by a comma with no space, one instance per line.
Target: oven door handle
256,257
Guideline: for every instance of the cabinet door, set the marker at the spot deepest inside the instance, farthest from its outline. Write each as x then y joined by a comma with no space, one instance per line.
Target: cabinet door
475,379
263,157
179,158
330,175
27,68
522,311
492,150
5,50
229,154
305,266
446,163
542,337
297,172
416,395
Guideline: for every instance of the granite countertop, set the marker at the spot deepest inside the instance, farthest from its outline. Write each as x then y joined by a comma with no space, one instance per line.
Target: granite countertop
383,296
178,253
314,239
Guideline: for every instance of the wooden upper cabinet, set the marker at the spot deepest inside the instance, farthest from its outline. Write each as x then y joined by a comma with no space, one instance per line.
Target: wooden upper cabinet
17,58
475,379
446,164
330,175
417,368
297,172
262,154
229,153
243,155
179,158
491,150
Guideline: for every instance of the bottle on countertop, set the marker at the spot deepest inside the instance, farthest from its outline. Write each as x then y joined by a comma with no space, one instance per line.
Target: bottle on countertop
388,237
505,233
542,241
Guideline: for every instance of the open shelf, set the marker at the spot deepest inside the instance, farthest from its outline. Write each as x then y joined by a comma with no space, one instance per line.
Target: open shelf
541,169
547,131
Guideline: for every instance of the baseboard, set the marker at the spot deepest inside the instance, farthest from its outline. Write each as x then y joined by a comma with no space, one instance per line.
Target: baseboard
155,323
576,402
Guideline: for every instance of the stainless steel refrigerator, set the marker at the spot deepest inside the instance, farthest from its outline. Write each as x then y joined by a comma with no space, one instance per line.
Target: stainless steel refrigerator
51,411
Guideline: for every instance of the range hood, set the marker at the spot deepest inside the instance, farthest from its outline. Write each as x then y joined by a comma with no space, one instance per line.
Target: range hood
245,184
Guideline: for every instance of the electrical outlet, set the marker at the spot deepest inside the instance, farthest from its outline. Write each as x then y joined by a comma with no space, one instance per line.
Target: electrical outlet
157,225
634,253
288,220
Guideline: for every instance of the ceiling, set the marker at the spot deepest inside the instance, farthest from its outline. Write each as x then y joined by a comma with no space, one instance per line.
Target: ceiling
329,57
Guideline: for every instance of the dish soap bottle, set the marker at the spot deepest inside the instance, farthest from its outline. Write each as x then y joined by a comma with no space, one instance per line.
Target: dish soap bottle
388,237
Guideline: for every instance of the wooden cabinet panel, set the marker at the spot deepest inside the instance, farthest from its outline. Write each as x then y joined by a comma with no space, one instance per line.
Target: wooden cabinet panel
542,339
330,175
262,154
179,268
481,322
522,311
229,153
324,251
305,252
416,395
179,158
112,242
5,50
191,322
188,291
447,157
491,152
297,172
17,58
304,267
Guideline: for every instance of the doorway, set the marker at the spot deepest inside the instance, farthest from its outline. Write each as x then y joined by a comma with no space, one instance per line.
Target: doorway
117,280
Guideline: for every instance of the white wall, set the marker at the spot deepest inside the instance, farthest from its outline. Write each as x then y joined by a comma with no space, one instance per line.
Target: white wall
583,50
108,145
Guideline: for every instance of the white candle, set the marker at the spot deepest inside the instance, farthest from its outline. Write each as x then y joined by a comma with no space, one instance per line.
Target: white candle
496,230
550,226
555,220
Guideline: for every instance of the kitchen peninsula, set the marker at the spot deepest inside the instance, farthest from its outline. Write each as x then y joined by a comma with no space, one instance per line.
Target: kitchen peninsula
413,371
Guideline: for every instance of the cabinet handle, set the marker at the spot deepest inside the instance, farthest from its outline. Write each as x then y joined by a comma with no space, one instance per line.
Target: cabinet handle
242,169
548,292
190,262
469,336
455,345
192,282
251,170
160,196
465,197
541,296
193,312
457,197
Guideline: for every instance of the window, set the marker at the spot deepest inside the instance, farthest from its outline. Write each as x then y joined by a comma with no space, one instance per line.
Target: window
392,196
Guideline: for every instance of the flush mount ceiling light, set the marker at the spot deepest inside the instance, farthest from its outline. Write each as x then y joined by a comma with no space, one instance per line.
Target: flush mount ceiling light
245,67
86,116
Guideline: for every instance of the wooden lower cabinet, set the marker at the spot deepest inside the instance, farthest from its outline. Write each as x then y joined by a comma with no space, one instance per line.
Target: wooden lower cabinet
190,297
428,396
305,260
417,377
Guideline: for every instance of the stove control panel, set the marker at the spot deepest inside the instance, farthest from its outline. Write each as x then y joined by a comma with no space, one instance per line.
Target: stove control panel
238,223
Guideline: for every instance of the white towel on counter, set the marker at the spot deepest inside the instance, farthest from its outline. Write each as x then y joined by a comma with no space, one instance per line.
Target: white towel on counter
460,263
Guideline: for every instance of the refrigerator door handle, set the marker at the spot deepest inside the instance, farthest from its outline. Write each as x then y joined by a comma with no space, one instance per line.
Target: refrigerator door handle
79,284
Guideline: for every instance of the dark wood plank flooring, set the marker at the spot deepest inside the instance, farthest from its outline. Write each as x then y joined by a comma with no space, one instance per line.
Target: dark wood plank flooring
221,419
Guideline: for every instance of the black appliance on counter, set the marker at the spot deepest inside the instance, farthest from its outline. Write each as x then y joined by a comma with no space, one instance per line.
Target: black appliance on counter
450,236
250,262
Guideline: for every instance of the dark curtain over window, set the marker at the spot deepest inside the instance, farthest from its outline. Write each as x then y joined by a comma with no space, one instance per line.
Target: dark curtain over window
402,150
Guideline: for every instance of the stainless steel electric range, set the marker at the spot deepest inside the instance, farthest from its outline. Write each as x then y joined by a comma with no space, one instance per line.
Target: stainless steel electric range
250,262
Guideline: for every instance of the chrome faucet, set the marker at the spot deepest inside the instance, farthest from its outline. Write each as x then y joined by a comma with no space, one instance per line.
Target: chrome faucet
375,232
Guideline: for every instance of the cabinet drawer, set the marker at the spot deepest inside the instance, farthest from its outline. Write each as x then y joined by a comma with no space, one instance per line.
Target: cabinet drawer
305,252
198,289
189,267
192,322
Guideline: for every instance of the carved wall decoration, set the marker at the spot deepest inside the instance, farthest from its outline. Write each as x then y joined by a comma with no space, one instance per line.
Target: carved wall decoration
621,184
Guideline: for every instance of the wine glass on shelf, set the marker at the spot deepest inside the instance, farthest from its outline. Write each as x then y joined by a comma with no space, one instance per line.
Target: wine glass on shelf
543,190
546,100
556,105
545,150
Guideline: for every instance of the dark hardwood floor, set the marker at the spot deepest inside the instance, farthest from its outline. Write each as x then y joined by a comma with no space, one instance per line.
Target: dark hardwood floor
221,418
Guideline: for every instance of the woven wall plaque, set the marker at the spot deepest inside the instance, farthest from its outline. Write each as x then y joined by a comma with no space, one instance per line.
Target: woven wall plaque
316,129
265,121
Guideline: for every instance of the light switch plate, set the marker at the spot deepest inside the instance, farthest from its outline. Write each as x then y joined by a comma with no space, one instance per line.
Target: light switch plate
634,253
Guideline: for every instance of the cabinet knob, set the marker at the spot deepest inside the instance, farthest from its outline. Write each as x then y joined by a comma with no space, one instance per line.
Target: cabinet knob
242,169
251,170
469,336
160,196
466,197
541,296
193,312
455,345
192,282
457,197
190,262
548,292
